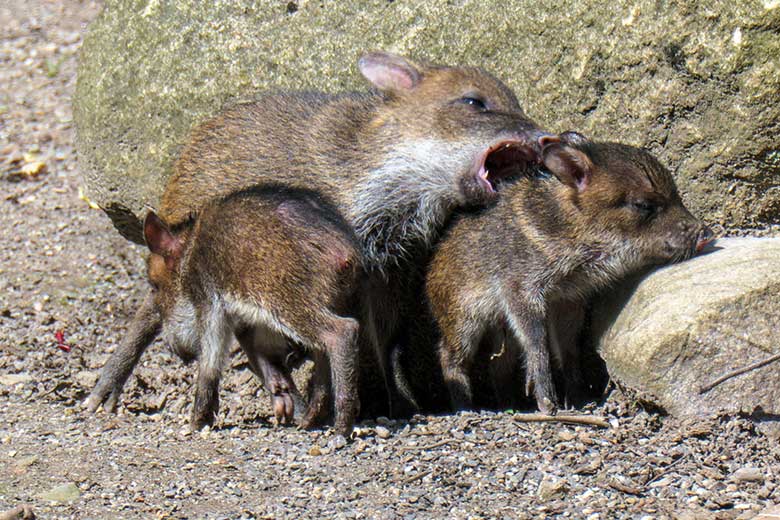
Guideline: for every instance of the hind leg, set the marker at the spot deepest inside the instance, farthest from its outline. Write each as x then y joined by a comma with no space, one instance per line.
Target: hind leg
458,348
339,339
279,383
143,330
276,377
318,392
378,327
503,364
455,370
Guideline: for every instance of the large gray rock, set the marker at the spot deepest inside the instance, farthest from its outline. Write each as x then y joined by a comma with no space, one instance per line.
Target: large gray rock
699,85
686,325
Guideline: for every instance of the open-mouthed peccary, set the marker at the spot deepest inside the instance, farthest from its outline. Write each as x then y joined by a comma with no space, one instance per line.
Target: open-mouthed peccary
395,162
277,268
504,276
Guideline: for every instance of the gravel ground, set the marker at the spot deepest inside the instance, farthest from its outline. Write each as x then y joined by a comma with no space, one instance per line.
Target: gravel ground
64,268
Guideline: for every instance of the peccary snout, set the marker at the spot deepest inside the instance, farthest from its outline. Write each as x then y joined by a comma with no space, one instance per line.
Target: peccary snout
686,235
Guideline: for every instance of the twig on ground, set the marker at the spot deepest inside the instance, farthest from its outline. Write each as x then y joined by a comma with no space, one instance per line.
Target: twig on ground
668,469
624,488
431,446
418,476
438,444
706,388
60,385
591,420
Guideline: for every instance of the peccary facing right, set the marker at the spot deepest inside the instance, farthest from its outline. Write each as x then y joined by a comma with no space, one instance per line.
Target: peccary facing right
396,162
595,213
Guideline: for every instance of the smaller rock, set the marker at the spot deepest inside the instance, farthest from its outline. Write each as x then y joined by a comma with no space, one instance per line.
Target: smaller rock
337,442
64,493
748,474
770,513
551,487
315,451
382,432
14,379
87,378
18,513
565,435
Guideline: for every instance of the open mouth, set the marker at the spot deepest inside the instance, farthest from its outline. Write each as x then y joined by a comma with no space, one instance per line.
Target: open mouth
503,160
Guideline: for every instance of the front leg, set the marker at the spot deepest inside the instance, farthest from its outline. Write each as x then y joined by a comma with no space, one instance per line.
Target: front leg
566,319
214,342
143,330
528,323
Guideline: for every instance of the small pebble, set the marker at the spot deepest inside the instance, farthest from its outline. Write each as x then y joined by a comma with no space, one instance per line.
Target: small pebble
337,442
565,435
382,432
748,474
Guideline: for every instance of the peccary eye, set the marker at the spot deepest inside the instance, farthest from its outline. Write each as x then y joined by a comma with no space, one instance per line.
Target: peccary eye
475,102
644,208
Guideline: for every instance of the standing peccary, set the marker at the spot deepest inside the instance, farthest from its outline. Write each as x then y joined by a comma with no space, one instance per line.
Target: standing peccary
395,163
277,268
502,277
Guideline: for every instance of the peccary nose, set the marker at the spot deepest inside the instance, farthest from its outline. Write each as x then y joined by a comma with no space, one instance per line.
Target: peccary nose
706,236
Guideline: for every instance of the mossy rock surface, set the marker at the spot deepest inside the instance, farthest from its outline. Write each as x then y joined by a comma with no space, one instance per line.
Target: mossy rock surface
699,86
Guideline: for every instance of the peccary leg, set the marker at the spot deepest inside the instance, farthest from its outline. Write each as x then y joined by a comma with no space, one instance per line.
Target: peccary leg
455,368
214,338
376,330
318,393
340,341
143,330
279,383
565,326
276,379
531,331
503,362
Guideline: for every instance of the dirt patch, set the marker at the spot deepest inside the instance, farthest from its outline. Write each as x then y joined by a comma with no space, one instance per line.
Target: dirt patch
64,268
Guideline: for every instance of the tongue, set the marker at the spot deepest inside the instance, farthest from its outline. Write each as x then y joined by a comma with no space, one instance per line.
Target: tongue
483,177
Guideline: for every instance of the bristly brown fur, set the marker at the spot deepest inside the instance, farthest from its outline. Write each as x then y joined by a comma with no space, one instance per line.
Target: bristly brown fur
509,274
396,162
276,267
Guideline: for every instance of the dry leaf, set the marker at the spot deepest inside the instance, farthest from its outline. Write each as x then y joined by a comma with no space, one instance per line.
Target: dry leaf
33,169
83,196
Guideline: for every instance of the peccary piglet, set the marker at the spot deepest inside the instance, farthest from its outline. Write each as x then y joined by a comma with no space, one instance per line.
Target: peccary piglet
396,161
277,268
595,213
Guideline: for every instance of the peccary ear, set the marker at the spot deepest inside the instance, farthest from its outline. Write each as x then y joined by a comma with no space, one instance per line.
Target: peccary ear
159,238
569,137
571,166
389,72
573,138
548,140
